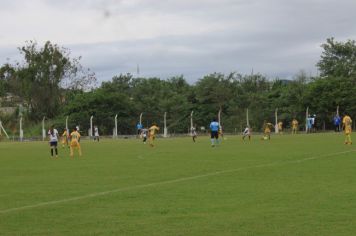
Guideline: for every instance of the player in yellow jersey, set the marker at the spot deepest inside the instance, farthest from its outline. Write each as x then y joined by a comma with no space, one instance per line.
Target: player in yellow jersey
347,127
294,126
280,127
74,143
152,133
267,130
65,138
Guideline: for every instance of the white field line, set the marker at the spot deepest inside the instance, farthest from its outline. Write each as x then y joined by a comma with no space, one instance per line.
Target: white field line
92,195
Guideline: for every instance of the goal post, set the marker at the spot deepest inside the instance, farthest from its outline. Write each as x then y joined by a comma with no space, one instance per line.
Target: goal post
276,128
165,130
2,129
191,123
247,119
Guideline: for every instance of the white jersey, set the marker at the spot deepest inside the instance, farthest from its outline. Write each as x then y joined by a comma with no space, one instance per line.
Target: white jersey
53,137
96,132
246,131
144,133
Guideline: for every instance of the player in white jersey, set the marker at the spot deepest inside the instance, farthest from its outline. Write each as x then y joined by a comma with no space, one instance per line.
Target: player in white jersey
53,140
144,135
247,132
96,133
194,133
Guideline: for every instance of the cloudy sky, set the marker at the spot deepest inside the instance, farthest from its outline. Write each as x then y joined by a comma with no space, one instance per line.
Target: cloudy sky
276,38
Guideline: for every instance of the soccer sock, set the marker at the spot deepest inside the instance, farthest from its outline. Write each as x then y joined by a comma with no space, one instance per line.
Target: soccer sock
212,142
52,152
56,151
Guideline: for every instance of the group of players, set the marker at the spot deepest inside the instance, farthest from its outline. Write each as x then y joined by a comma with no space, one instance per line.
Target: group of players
69,139
72,140
217,133
267,128
149,133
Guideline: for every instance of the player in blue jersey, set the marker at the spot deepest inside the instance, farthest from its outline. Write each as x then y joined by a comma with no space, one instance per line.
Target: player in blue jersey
337,122
214,130
139,128
310,123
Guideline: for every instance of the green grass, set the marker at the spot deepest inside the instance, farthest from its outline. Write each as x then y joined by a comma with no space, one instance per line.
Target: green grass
291,185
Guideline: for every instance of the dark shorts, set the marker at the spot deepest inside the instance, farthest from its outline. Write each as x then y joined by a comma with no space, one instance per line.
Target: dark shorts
214,134
53,144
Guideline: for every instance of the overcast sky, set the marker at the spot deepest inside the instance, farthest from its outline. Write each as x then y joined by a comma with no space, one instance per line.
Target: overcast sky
276,38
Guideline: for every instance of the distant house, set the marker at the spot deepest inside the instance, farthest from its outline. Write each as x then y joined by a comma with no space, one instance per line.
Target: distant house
10,98
286,81
7,110
9,104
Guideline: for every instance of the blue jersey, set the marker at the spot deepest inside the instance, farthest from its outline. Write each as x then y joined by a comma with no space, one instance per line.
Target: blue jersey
139,126
214,126
310,122
337,120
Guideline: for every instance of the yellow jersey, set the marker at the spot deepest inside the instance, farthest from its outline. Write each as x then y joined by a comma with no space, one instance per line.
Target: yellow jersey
346,121
153,129
280,125
294,123
75,136
268,127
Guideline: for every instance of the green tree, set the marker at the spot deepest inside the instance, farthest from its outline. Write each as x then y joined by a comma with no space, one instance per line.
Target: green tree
6,78
44,73
103,106
213,92
338,58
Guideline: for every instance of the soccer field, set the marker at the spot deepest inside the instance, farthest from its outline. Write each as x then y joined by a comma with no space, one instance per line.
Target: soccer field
291,185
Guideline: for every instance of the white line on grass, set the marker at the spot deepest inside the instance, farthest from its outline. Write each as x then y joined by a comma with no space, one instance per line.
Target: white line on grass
92,195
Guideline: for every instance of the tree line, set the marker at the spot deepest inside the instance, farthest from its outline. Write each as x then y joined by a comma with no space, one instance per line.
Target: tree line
51,84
